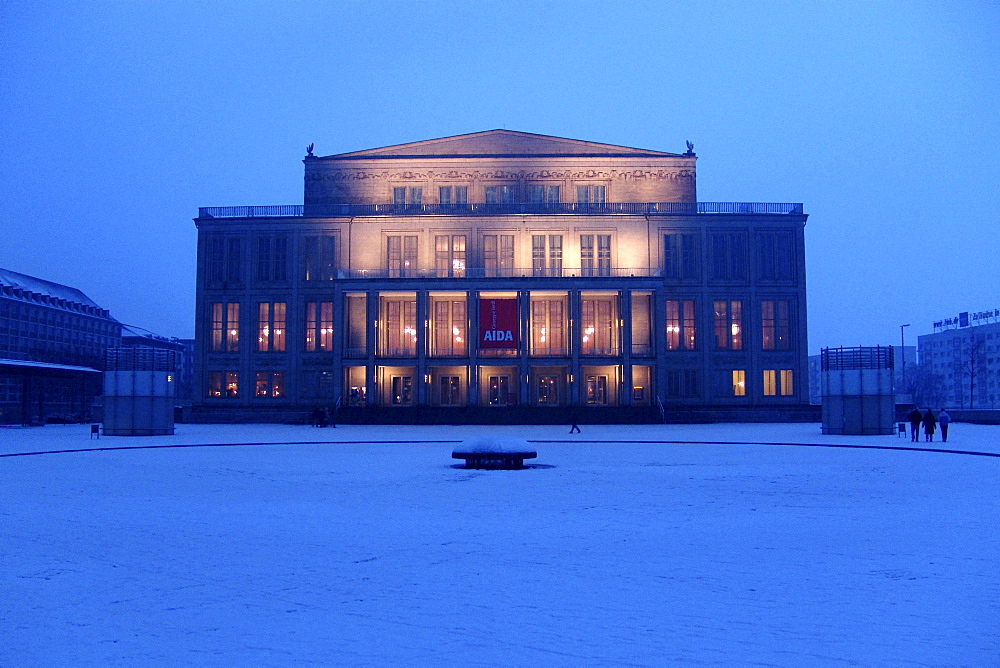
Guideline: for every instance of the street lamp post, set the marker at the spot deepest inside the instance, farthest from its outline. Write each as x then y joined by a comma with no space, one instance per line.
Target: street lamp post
902,353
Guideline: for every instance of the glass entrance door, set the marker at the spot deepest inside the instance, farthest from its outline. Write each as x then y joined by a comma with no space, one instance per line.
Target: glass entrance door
451,394
402,390
548,390
597,390
499,390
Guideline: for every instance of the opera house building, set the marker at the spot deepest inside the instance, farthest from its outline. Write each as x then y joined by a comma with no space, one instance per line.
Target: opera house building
501,276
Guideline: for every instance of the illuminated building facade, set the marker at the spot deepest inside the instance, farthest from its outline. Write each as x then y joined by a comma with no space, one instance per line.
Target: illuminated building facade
501,270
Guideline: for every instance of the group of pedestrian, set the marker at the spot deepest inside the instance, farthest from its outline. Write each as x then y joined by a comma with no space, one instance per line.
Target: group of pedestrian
321,417
929,422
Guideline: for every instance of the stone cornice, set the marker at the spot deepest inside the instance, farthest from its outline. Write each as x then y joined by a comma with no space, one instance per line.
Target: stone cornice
501,175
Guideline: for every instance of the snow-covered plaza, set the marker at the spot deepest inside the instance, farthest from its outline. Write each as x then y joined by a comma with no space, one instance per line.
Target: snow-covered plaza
623,545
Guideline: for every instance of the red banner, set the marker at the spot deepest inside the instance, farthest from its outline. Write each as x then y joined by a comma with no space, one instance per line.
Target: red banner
498,323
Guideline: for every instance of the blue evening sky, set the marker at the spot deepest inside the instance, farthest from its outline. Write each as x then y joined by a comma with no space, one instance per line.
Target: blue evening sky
119,119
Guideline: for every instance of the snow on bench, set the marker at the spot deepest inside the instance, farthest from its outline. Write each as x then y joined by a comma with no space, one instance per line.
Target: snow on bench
494,453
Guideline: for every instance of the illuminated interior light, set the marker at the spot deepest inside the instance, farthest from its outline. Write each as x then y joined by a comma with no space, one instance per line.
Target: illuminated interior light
735,329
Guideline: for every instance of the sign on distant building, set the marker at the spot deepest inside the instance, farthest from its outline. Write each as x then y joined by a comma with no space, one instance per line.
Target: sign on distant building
965,319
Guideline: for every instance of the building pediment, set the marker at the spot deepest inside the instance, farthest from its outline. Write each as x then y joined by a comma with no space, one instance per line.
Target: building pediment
500,143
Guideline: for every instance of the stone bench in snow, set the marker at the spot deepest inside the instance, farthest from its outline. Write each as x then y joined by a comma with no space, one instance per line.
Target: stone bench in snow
494,453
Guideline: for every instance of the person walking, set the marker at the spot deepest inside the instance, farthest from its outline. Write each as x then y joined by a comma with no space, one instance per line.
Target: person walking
915,419
944,420
575,428
930,424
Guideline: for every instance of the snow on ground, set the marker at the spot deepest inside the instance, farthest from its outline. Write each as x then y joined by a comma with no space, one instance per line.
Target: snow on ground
377,550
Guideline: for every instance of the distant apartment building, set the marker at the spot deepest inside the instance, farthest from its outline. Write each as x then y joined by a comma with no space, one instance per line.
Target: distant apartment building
500,270
960,361
52,341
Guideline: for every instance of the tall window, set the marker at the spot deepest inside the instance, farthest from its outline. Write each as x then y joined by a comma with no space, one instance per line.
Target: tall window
400,318
449,327
271,327
775,325
778,382
785,376
739,377
224,255
682,382
548,327
498,254
729,256
728,324
546,254
449,255
225,327
588,267
591,194
269,384
598,327
223,384
355,326
680,324
414,196
542,194
451,390
402,390
401,255
597,390
500,194
775,252
319,326
321,258
272,258
448,195
680,256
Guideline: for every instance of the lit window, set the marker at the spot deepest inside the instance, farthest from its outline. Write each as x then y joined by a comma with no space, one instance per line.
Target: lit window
271,327
680,325
401,255
728,324
319,326
269,384
778,383
739,382
223,384
225,327
449,255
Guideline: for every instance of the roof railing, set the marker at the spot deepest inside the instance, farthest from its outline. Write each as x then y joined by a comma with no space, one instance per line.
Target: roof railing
593,209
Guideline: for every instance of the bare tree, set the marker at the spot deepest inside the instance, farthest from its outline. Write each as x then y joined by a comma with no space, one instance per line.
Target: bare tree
926,386
970,363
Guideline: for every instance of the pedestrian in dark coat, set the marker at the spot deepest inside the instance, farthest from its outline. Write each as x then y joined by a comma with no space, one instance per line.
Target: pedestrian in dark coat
944,420
930,424
575,427
915,419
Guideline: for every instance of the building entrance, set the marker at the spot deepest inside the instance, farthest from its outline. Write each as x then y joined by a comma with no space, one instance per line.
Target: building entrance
402,390
451,390
500,391
548,390
597,390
